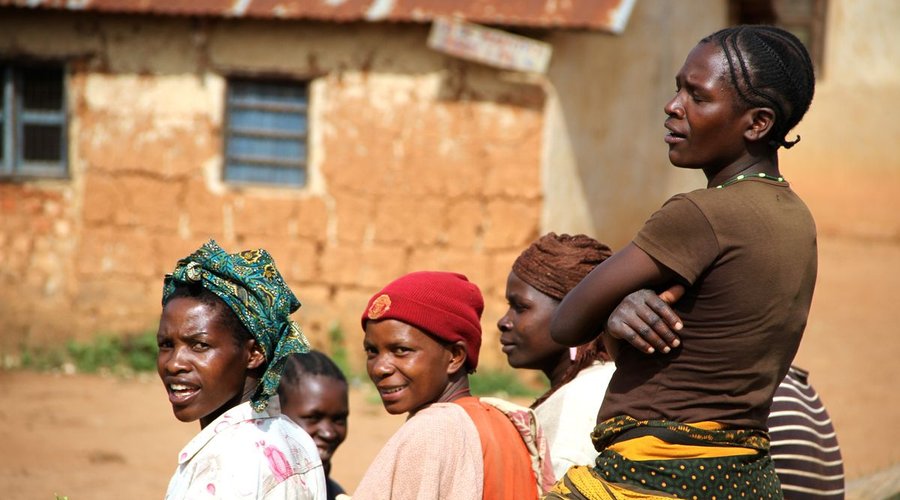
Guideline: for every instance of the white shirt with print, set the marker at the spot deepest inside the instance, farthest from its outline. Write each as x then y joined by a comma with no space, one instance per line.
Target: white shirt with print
248,455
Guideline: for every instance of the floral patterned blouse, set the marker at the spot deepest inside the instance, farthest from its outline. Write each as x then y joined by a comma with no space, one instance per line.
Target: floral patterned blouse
246,454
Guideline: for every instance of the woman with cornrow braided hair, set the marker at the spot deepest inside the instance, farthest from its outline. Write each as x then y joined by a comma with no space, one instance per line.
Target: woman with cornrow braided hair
685,412
777,80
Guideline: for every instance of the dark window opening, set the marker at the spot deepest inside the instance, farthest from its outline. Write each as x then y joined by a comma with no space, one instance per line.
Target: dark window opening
32,120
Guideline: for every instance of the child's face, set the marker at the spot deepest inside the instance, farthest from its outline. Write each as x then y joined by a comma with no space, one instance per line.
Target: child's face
525,328
705,122
319,404
410,369
200,362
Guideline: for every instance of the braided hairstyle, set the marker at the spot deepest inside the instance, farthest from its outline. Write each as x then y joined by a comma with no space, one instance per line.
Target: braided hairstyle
310,363
771,68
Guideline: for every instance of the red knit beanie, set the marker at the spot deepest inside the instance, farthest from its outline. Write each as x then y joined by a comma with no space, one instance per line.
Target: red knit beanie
445,305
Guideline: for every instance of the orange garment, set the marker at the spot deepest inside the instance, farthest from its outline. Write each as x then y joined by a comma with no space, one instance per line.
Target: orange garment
507,464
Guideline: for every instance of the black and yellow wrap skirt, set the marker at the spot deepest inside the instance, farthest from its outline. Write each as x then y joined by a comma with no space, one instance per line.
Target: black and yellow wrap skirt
653,459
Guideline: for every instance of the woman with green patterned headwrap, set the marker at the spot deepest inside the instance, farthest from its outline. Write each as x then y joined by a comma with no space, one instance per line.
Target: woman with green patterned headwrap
224,335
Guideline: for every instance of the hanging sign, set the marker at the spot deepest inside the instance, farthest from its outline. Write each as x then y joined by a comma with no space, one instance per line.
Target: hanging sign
489,46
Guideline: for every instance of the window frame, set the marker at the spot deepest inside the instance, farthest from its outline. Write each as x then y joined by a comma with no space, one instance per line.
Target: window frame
301,164
14,118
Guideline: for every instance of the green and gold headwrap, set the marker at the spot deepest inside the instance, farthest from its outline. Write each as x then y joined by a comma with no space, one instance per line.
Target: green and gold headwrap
254,289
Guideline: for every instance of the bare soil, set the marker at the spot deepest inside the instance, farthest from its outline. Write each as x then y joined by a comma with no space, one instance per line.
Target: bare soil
94,437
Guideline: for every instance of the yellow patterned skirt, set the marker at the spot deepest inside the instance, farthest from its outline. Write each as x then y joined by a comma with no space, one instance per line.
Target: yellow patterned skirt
663,459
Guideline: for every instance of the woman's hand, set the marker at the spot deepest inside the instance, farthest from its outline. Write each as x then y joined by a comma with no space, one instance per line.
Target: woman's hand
645,320
587,307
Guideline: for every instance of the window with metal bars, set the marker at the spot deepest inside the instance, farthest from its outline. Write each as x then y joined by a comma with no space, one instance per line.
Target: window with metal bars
32,120
266,130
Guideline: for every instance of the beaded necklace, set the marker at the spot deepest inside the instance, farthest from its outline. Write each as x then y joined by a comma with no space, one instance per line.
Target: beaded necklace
760,175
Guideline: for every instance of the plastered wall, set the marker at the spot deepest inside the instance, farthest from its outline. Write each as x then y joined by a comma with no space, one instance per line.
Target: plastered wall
846,164
605,167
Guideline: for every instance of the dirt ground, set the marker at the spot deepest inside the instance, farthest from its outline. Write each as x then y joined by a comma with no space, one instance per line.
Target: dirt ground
93,437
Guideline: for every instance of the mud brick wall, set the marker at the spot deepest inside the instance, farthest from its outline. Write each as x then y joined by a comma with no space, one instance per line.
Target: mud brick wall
417,161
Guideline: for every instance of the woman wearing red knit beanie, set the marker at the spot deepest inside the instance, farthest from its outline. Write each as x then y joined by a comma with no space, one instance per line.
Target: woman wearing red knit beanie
422,337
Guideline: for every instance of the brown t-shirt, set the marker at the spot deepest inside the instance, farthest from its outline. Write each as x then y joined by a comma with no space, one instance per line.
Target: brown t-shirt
748,255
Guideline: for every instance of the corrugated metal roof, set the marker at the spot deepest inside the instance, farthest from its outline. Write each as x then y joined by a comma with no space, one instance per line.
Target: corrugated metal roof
606,15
